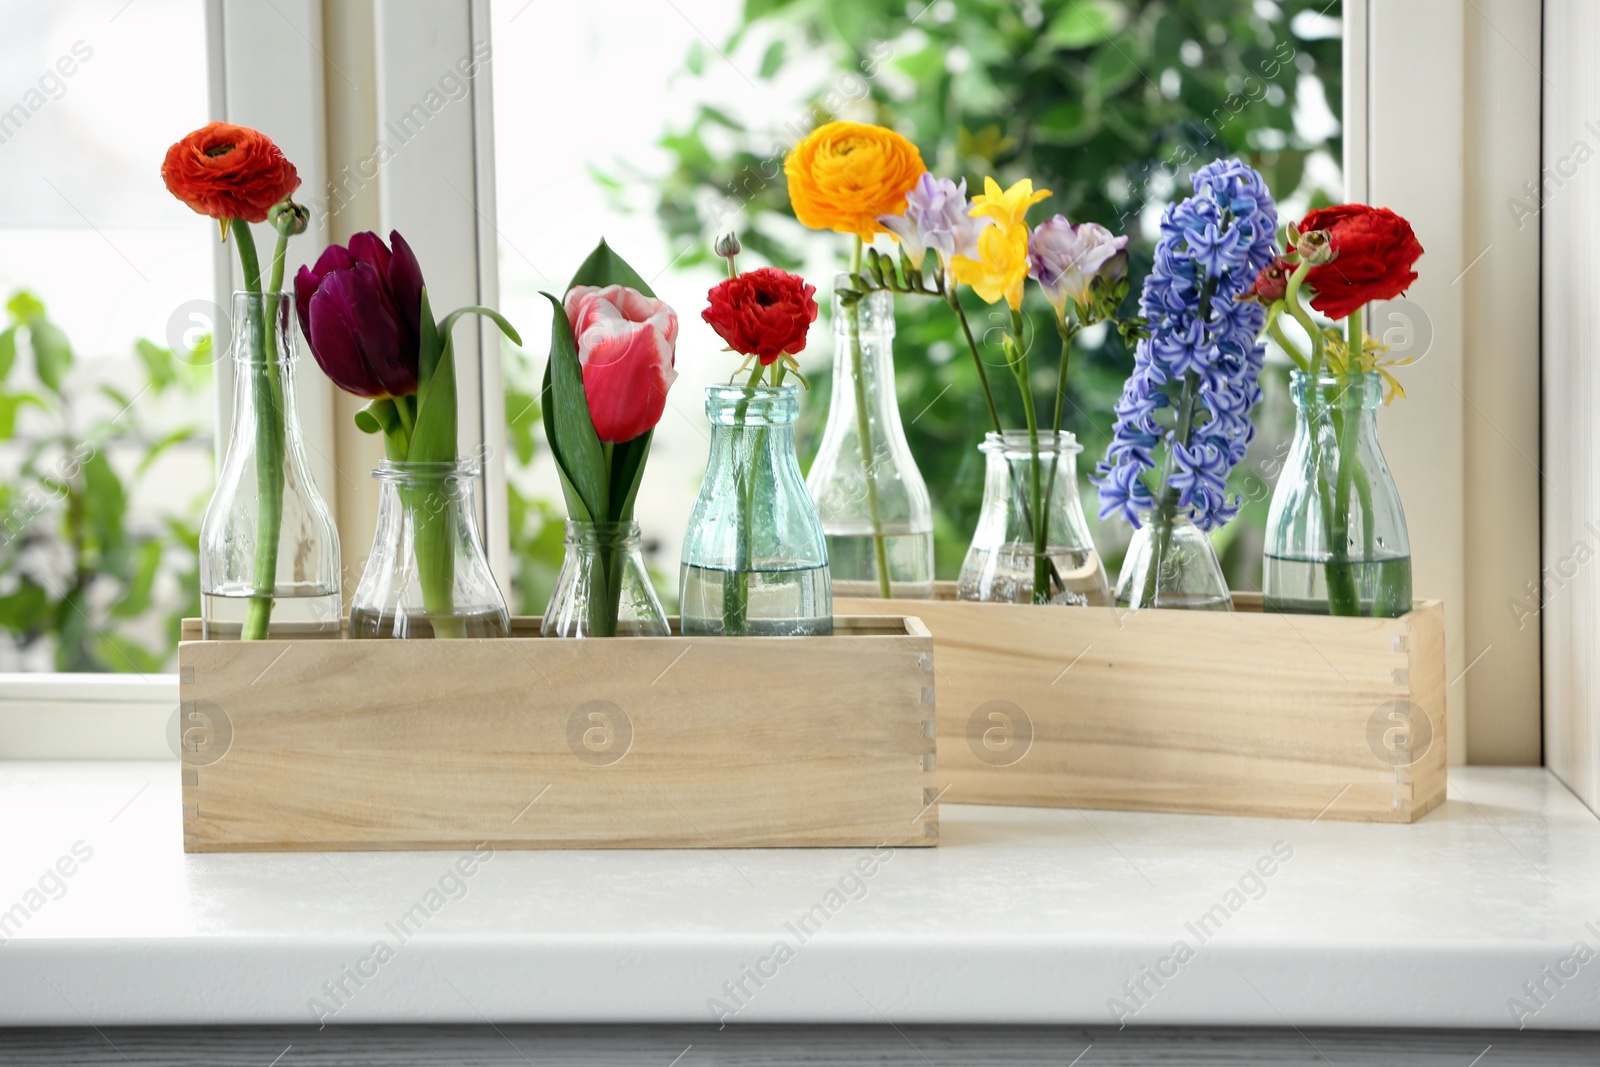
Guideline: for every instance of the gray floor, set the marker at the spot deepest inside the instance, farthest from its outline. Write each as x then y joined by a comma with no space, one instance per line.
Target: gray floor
747,1046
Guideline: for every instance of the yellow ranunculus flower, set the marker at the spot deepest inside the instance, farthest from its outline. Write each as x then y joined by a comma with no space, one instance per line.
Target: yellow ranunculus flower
1008,208
1001,268
844,175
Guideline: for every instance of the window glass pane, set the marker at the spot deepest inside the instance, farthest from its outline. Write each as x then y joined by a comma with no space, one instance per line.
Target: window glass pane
105,439
659,125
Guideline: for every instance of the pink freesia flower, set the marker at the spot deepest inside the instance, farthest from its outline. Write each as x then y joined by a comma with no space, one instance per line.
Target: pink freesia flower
626,343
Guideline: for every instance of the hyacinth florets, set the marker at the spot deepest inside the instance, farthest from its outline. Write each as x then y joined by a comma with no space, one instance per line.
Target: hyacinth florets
1203,345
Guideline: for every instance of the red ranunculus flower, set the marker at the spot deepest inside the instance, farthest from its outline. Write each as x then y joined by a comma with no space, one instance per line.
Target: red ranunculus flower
1373,251
229,172
764,313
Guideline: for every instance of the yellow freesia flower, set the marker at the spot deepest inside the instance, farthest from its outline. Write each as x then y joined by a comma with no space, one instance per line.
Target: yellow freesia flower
1002,266
1008,208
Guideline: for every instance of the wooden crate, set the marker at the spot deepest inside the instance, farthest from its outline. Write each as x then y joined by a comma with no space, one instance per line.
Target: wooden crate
532,742
1241,713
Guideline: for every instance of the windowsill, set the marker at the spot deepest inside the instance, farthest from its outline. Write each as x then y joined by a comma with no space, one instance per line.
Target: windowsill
1021,915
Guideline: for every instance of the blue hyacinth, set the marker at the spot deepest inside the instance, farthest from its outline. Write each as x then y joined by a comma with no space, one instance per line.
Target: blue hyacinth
1202,353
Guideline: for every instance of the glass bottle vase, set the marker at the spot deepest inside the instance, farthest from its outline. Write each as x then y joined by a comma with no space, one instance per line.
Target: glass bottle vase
603,589
1171,564
269,552
872,500
1336,539
1004,564
755,561
427,575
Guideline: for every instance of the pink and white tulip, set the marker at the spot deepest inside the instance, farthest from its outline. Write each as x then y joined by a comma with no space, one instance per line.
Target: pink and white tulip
626,343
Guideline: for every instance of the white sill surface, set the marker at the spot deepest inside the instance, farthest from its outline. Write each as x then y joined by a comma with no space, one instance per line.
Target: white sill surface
1020,916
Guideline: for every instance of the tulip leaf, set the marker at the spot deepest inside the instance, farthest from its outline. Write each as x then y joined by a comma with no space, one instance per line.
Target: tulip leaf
449,323
430,346
568,426
604,267
433,438
627,471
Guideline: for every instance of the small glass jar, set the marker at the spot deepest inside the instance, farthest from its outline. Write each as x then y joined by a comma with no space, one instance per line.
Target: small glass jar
427,575
1171,564
1004,564
755,562
872,500
269,552
1336,540
603,588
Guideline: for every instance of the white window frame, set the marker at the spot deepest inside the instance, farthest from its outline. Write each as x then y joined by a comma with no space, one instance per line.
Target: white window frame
442,196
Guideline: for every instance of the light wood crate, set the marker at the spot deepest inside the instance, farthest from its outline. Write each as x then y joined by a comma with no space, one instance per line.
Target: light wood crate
1241,713
533,742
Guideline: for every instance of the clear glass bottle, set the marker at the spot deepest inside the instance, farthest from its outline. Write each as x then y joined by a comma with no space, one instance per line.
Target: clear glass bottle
603,589
755,562
269,553
1336,539
1002,565
875,511
1171,564
427,575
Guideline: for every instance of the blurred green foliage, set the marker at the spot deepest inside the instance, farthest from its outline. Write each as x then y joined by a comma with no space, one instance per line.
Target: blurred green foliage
78,569
1109,103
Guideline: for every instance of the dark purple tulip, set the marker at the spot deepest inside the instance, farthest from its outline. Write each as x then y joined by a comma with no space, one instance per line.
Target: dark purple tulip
360,308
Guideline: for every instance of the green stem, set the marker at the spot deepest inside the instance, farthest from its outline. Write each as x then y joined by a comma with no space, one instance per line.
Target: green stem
1343,591
1291,299
1019,368
869,452
1275,331
736,583
1167,502
954,300
432,506
1068,331
269,435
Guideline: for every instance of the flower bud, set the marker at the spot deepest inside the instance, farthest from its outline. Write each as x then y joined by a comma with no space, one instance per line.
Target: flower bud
728,246
289,218
1315,247
1270,285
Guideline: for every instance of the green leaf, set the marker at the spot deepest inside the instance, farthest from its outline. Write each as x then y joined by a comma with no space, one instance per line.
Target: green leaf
105,502
772,59
24,307
158,363
1114,67
566,417
116,653
759,9
1082,23
52,353
433,438
449,323
10,405
430,347
8,352
136,598
160,445
379,416
25,610
627,471
1068,122
604,267
695,60
522,414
